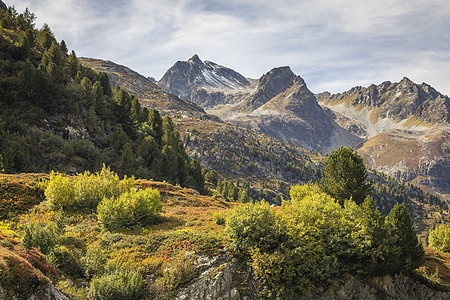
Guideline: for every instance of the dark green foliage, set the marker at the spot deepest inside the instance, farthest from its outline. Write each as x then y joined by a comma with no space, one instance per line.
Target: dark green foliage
411,251
63,259
345,176
388,191
59,115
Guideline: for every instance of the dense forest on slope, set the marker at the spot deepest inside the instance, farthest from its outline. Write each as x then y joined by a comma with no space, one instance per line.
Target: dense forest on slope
60,115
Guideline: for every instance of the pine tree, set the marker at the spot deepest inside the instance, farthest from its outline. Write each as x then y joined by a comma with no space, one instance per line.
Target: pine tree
345,176
411,250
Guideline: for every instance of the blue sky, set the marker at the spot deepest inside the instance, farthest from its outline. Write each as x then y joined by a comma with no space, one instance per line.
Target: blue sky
333,44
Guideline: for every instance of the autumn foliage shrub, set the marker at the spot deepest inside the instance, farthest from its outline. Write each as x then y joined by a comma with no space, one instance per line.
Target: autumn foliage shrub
120,284
84,191
41,236
130,209
314,241
439,238
63,259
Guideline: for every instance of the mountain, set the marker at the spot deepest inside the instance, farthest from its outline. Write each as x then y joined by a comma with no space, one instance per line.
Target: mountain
279,105
148,93
205,83
235,152
406,126
390,105
283,107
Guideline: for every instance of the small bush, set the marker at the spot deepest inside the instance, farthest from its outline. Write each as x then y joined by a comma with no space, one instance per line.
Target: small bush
219,218
130,209
121,284
178,272
439,238
43,237
95,261
61,258
86,190
59,191
253,225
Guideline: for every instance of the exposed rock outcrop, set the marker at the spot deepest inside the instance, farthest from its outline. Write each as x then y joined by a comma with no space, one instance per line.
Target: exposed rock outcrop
216,281
45,292
379,288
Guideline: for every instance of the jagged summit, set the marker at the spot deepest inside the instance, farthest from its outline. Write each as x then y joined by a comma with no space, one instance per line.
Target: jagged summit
204,82
395,101
195,59
270,85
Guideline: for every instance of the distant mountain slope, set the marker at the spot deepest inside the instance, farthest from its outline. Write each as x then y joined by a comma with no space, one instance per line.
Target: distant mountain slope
283,107
390,105
279,105
205,83
149,94
407,127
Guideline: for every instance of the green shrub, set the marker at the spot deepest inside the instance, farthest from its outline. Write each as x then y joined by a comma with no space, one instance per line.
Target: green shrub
94,261
315,241
60,191
43,237
121,284
253,225
130,209
86,190
63,259
178,272
219,218
439,238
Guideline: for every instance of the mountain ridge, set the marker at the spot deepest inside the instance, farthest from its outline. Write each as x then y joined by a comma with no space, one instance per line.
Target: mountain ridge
406,127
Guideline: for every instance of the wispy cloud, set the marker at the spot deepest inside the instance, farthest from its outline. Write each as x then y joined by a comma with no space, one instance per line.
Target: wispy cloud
333,44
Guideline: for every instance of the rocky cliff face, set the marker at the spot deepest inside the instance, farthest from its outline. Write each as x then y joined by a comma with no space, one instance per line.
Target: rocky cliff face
207,84
406,126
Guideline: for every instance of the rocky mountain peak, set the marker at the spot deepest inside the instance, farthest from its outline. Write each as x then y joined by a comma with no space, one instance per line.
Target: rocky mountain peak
195,59
277,77
204,82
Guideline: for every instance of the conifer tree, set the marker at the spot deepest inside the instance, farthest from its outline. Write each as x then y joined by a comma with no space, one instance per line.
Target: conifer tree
411,250
345,176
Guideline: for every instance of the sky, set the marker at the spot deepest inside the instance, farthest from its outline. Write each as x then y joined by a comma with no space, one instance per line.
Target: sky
333,44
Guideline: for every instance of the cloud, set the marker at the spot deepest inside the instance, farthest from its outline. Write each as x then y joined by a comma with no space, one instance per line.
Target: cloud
333,44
